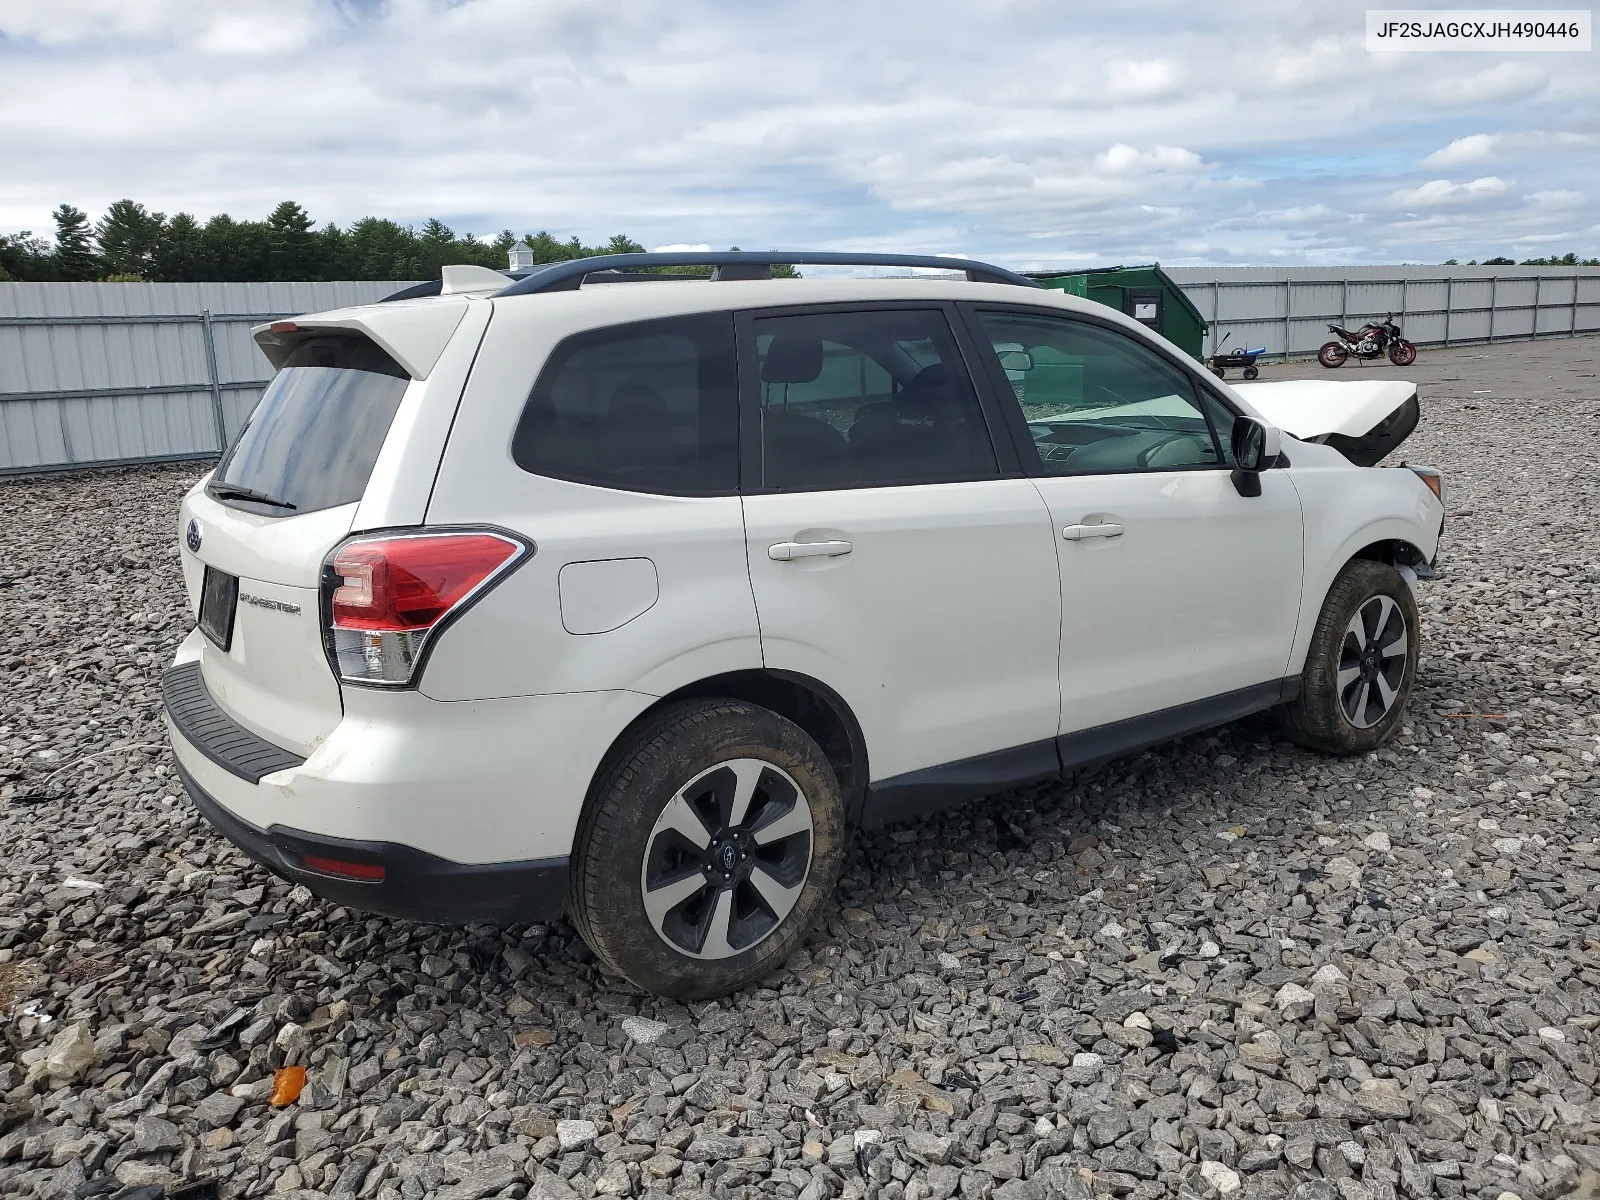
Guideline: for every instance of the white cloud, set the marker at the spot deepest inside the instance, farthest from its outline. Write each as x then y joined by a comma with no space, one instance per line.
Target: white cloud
1557,198
1442,191
1501,84
1063,133
1487,147
1144,79
1122,159
683,248
1477,147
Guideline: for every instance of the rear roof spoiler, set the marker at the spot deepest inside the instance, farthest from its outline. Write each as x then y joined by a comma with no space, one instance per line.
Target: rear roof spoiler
725,264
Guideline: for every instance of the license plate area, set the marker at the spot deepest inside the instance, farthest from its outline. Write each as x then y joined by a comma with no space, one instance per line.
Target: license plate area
219,598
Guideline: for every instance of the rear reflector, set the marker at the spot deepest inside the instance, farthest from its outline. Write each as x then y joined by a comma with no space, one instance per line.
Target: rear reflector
389,593
283,327
370,872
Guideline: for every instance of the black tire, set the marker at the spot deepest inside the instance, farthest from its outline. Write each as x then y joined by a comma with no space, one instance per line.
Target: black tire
1219,372
1332,355
1251,372
622,844
1402,353
1361,715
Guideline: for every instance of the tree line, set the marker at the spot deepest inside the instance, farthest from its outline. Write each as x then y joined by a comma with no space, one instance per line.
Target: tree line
131,243
1565,260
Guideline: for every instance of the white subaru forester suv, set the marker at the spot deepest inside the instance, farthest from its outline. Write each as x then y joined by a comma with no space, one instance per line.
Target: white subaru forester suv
629,596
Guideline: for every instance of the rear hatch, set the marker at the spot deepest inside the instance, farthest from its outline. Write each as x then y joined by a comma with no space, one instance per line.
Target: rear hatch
255,533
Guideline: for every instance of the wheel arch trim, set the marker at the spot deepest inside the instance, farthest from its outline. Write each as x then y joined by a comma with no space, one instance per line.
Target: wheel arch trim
811,704
1391,540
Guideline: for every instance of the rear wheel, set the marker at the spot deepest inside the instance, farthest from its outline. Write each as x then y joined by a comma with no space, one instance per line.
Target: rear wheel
712,840
1332,354
1361,664
1402,353
1219,372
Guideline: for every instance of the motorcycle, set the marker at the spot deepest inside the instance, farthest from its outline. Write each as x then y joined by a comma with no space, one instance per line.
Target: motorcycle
1372,340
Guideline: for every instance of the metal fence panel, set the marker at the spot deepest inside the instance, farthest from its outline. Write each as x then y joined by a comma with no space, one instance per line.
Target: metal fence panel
111,373
1288,309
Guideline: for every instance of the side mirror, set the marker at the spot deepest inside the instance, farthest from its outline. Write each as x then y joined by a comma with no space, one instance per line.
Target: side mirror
1256,446
1016,360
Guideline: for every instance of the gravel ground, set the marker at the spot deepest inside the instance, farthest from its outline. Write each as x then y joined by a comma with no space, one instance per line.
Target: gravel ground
1224,968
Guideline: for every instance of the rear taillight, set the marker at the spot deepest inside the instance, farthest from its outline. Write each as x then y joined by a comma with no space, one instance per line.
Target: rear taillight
387,594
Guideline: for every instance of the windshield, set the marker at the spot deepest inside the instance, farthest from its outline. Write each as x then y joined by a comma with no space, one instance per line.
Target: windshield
312,440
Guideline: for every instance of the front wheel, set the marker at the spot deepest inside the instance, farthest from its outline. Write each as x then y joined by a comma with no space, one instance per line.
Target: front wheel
711,841
1402,353
1219,372
1361,664
1332,354
1252,372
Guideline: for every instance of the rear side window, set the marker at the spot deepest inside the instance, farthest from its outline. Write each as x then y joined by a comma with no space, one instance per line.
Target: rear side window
646,407
866,399
312,440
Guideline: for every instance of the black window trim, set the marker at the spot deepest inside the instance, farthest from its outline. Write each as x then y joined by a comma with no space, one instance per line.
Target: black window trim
1026,449
562,350
1008,465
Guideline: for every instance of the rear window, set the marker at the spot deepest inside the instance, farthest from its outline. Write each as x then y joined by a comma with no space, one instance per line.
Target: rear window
646,407
312,440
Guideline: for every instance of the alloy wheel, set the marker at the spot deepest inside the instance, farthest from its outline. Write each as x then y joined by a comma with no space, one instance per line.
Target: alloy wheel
1372,662
727,859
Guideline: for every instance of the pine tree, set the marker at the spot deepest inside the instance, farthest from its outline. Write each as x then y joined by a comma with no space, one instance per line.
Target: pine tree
183,254
129,236
293,248
75,256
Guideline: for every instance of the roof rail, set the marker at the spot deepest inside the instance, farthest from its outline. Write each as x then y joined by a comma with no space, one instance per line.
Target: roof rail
727,264
748,264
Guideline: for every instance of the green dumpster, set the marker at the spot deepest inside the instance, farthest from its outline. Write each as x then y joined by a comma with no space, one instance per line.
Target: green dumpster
1144,293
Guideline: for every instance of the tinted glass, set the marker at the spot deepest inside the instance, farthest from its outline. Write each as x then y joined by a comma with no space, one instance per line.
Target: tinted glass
314,436
1097,401
648,407
865,399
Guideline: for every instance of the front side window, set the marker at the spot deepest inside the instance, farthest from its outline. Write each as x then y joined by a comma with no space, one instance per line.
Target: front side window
1095,401
647,407
867,399
313,438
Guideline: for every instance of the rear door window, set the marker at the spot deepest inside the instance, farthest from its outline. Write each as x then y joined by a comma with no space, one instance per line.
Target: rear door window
645,407
866,399
312,440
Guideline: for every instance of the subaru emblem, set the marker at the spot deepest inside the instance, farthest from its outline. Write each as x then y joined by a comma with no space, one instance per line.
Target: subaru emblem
192,538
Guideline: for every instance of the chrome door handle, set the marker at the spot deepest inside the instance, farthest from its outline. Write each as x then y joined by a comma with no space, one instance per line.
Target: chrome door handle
1078,533
785,551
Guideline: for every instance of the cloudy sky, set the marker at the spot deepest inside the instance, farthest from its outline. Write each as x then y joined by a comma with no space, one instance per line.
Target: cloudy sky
1031,132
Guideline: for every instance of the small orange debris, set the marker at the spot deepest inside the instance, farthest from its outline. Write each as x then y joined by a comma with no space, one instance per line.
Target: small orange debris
287,1083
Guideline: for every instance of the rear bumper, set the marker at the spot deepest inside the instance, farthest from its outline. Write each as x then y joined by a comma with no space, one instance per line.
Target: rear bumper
416,885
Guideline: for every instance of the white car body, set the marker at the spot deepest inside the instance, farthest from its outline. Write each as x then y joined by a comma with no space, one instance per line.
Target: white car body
966,641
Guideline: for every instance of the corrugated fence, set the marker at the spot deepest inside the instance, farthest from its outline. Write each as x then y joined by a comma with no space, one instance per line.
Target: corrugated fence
109,374
1288,309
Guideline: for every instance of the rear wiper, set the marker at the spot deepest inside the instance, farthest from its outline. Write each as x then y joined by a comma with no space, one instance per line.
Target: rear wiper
234,491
